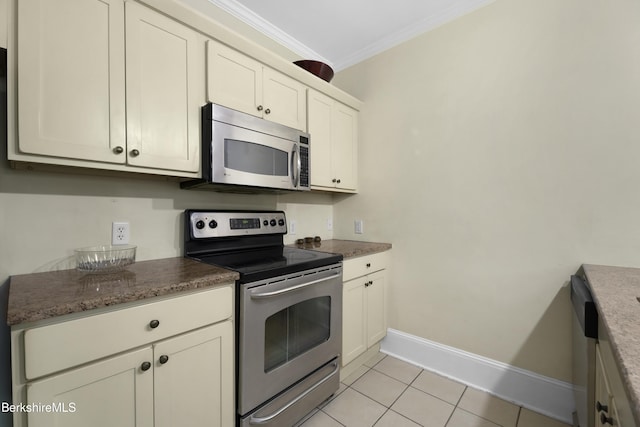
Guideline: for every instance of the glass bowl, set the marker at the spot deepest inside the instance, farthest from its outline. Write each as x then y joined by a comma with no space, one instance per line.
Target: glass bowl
105,259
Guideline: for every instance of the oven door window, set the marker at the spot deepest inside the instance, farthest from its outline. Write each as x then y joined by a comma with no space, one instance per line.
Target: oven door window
255,158
295,330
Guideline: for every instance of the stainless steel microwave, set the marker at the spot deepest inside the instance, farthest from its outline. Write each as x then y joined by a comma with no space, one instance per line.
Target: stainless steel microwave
251,153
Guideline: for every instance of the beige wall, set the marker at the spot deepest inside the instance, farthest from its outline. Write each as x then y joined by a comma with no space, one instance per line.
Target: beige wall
498,153
45,215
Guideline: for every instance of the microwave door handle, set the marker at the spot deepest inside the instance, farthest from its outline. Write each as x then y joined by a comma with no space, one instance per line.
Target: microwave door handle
296,165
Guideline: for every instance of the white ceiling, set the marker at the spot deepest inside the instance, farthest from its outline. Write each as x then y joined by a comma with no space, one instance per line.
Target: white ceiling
345,32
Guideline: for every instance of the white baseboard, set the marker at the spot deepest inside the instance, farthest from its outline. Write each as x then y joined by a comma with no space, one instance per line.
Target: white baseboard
541,394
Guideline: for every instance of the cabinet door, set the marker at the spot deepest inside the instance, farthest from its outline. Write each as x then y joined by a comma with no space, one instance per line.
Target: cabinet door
376,308
345,146
165,91
233,80
354,338
285,100
113,392
603,389
71,90
320,110
194,387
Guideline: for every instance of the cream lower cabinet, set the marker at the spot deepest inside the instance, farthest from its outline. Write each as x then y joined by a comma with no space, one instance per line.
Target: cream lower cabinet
612,406
113,392
180,370
364,315
194,377
241,83
89,96
334,134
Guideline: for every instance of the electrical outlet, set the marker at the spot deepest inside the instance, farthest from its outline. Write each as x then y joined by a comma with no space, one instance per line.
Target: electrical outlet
329,224
293,225
359,226
120,233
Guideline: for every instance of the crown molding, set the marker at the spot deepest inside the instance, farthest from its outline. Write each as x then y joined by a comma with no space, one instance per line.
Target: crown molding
431,22
255,21
246,15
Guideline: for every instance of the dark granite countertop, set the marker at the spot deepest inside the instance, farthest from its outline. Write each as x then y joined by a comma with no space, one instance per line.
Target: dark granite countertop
348,248
41,296
614,291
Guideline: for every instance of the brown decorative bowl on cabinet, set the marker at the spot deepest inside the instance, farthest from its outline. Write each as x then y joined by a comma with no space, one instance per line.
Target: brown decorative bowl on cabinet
316,68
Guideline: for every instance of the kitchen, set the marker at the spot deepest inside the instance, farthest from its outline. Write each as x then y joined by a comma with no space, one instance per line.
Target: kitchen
496,154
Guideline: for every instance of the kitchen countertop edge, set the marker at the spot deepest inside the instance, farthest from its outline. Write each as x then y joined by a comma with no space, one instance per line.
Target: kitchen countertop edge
41,296
347,248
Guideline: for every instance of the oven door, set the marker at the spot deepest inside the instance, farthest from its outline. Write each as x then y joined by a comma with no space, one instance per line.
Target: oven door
289,326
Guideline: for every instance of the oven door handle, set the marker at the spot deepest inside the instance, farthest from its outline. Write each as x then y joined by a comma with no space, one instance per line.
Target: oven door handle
259,295
268,418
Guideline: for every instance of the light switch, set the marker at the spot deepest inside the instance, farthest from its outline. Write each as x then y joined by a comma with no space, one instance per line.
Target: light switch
359,226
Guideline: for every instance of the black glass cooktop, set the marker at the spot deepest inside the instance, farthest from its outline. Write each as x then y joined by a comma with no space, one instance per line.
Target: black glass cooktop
259,264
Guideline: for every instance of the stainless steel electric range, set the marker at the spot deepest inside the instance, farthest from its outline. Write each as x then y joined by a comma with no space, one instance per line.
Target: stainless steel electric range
288,312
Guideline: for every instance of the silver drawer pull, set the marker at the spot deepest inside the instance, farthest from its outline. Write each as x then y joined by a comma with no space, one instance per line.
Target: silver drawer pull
264,420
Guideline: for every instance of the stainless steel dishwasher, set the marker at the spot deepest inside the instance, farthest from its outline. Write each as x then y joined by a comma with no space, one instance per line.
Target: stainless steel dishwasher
584,336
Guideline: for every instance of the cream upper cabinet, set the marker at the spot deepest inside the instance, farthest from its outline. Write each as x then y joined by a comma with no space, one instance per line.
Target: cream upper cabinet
89,96
165,90
333,127
364,315
285,100
71,83
244,84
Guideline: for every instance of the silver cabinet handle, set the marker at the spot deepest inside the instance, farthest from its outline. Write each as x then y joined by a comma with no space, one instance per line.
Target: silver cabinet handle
135,152
264,420
118,150
291,288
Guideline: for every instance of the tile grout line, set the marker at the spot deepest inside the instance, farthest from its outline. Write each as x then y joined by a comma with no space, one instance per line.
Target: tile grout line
518,417
456,405
329,415
388,408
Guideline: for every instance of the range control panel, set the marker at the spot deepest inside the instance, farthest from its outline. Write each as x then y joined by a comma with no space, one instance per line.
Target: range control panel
204,225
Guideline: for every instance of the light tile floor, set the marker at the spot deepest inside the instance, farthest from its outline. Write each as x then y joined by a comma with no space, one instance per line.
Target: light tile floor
390,392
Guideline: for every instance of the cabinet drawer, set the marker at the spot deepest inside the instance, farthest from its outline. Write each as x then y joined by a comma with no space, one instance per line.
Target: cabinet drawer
356,267
52,348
